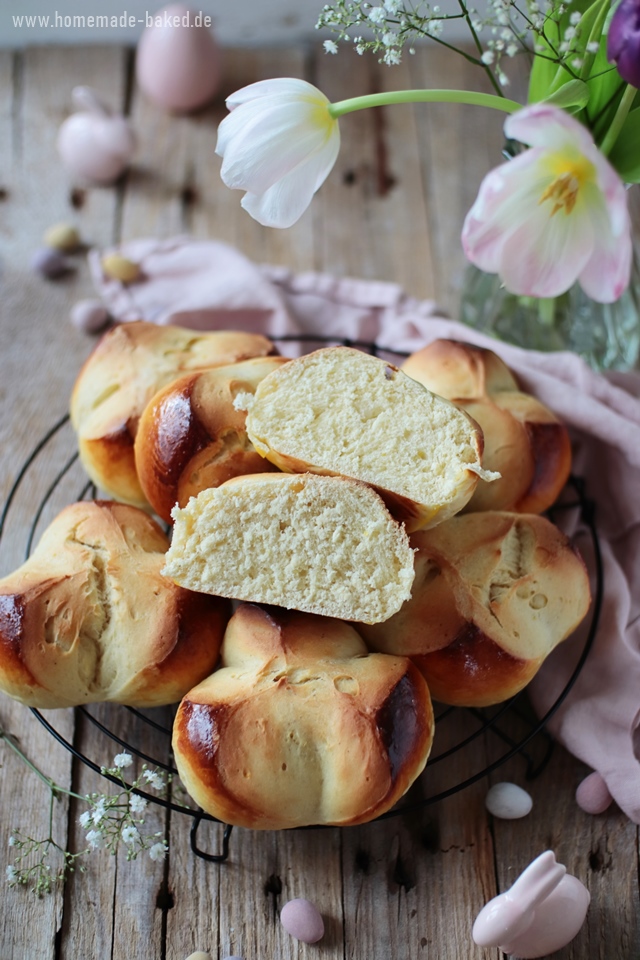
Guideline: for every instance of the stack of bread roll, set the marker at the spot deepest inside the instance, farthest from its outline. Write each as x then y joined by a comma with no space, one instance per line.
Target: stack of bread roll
380,527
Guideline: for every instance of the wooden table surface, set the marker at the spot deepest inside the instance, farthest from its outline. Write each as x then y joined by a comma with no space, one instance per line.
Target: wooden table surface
392,209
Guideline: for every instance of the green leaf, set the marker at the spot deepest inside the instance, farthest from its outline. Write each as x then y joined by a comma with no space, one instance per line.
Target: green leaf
574,93
625,155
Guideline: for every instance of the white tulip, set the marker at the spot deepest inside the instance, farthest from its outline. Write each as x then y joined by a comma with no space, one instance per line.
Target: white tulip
279,144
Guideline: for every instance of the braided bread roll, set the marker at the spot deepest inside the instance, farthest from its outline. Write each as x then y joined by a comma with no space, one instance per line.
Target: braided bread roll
494,593
89,617
128,366
300,726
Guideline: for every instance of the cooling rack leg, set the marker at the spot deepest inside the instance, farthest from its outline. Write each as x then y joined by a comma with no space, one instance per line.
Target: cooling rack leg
211,857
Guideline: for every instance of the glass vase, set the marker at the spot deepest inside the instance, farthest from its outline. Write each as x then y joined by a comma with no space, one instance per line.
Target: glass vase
606,335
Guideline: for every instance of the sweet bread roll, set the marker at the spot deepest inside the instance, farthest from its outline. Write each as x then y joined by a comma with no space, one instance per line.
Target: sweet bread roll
343,412
300,726
319,544
191,436
89,617
523,440
493,595
128,366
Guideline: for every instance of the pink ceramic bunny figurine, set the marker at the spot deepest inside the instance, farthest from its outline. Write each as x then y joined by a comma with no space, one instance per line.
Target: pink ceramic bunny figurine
540,913
94,143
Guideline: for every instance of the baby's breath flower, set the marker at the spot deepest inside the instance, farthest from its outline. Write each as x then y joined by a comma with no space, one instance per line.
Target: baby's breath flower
137,803
95,839
158,851
12,841
122,761
130,834
12,874
488,56
99,810
330,46
154,779
377,15
85,819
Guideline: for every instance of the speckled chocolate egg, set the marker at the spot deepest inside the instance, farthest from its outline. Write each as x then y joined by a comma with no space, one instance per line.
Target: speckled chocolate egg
49,263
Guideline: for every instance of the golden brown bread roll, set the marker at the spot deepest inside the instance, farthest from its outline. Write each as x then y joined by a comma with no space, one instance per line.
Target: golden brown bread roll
493,595
523,440
191,436
300,726
324,545
342,412
127,367
89,617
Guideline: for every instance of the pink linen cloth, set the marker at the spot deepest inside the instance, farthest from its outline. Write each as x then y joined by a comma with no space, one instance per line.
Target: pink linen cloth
208,285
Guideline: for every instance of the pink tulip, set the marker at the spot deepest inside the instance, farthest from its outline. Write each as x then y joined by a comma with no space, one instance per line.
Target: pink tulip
554,214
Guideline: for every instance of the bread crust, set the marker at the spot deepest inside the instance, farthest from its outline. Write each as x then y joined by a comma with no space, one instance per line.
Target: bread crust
192,434
494,593
523,440
89,618
300,726
127,367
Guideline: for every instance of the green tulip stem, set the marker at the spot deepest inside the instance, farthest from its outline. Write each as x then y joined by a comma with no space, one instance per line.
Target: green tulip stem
423,96
618,121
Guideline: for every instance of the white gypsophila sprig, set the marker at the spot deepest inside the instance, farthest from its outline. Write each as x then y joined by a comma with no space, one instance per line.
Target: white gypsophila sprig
504,29
109,821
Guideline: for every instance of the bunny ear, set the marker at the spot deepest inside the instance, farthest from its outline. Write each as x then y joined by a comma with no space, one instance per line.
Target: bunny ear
536,883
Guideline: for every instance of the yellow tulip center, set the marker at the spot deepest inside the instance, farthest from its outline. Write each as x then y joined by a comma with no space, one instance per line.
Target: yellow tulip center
569,175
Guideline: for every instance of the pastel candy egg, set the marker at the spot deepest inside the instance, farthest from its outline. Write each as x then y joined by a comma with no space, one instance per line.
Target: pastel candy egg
593,795
508,801
49,263
89,316
199,955
62,236
117,267
302,920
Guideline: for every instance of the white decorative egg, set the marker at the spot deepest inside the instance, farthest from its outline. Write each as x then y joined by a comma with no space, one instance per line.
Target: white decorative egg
508,801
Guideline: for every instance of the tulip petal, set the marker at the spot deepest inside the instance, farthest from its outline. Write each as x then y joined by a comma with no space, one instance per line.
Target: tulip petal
291,87
285,202
549,128
546,254
608,271
506,196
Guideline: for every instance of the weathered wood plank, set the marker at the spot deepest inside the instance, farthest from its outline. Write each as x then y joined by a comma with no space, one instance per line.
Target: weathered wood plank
370,214
41,355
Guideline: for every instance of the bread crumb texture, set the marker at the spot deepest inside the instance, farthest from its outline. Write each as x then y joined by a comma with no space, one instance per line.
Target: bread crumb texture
343,411
317,544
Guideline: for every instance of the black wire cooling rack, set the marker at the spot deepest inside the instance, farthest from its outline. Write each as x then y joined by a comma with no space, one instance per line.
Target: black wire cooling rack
511,726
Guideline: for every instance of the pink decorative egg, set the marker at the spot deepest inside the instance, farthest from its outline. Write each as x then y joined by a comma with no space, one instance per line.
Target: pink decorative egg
178,60
302,920
593,795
